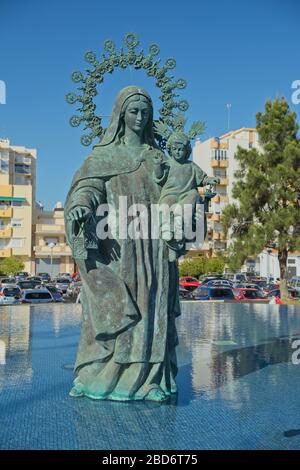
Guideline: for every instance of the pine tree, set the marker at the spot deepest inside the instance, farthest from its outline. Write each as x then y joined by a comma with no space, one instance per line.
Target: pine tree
267,191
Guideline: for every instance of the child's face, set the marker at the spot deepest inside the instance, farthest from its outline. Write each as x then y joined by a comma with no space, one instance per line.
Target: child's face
179,151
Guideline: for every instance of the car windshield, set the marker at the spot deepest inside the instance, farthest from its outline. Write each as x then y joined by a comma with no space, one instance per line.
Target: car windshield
11,291
38,295
28,284
53,290
63,281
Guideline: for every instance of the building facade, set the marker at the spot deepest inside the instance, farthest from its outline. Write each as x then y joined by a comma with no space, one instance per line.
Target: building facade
216,157
17,196
52,254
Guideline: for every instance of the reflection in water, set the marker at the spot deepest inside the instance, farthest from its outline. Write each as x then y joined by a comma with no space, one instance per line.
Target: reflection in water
262,334
218,343
15,335
233,360
65,316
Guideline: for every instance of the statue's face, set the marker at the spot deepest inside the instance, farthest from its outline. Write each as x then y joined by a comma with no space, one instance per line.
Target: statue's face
179,151
137,114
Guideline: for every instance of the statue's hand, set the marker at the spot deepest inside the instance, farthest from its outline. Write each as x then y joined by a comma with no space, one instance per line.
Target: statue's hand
213,180
79,214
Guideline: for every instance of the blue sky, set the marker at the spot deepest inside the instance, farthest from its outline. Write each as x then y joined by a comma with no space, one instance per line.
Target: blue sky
238,52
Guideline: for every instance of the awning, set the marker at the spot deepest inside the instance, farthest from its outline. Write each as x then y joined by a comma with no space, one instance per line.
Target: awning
5,198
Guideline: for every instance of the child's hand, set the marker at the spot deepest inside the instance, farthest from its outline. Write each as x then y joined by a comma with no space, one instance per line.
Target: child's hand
213,180
158,158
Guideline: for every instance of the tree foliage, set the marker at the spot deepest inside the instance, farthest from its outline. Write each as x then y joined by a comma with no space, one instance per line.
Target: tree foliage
11,265
197,266
267,190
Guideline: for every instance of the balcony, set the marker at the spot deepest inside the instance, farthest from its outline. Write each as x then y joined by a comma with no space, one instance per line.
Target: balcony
223,181
5,253
5,190
215,218
6,212
224,199
215,163
58,250
216,198
50,229
223,163
224,145
5,233
216,236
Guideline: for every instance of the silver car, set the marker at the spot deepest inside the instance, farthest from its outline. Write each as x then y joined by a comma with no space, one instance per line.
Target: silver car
36,296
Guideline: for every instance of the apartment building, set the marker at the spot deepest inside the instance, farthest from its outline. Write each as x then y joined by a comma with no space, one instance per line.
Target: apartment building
52,254
216,157
17,196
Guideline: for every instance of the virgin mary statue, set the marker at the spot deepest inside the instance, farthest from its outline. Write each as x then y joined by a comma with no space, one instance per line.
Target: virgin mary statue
129,288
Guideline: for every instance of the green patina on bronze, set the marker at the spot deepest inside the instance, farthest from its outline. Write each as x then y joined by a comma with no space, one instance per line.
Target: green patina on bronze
110,61
129,297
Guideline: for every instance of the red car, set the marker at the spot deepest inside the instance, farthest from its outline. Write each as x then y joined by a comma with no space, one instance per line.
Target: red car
250,295
189,283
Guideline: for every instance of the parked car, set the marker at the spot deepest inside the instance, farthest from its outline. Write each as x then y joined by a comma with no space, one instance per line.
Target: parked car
295,283
56,294
237,277
6,281
219,282
62,284
189,283
64,276
28,284
45,277
36,296
10,294
184,293
22,275
252,295
291,292
213,293
73,289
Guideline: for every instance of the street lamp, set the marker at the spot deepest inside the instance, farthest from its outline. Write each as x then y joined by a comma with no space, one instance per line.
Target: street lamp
51,246
269,251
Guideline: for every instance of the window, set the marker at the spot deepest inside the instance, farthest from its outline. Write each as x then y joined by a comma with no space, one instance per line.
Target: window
291,261
22,180
51,240
19,168
17,203
16,222
21,159
16,242
4,166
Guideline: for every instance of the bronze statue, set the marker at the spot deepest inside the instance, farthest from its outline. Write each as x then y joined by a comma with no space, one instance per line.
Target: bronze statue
130,289
129,277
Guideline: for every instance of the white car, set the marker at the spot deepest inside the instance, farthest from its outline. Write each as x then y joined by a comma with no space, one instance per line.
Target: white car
10,295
